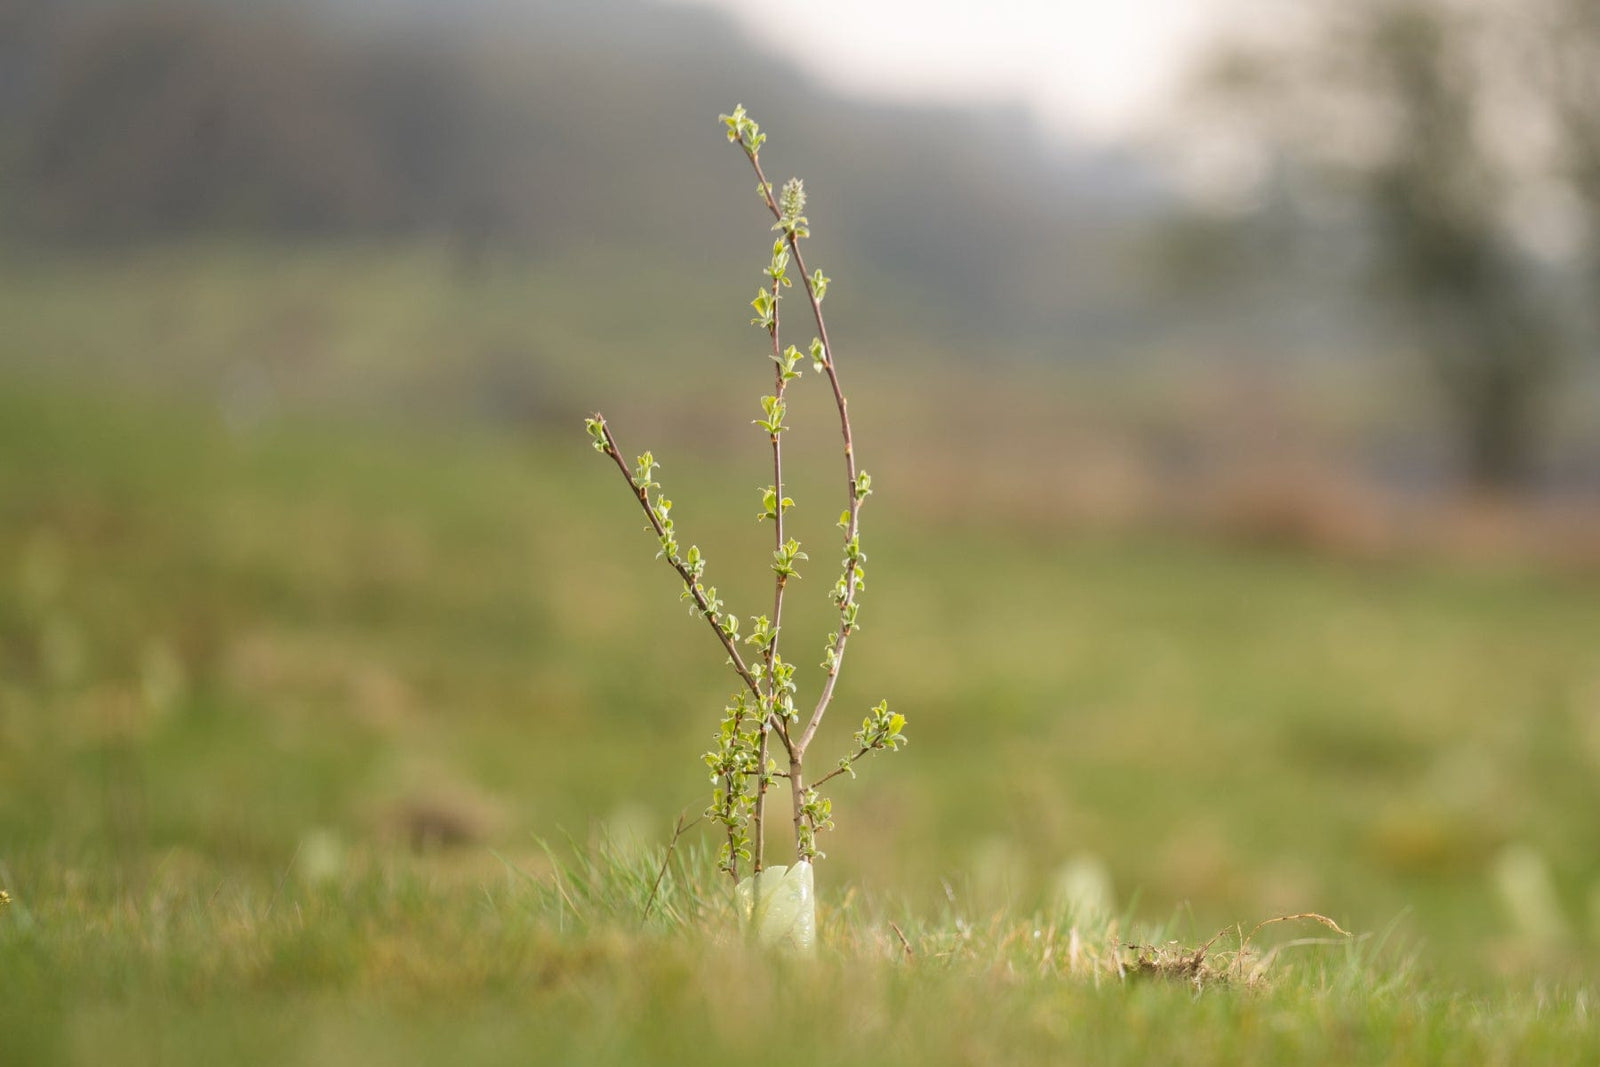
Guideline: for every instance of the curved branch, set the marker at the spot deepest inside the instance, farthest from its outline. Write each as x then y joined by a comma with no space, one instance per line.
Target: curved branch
643,496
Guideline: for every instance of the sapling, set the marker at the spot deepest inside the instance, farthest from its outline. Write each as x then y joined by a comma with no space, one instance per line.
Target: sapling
763,719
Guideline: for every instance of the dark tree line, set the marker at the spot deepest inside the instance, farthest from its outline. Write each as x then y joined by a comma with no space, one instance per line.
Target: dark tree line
546,127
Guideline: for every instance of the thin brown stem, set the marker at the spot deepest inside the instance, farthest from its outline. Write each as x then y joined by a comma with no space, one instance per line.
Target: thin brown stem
677,832
758,817
903,942
643,496
853,498
853,518
780,728
837,771
797,746
797,790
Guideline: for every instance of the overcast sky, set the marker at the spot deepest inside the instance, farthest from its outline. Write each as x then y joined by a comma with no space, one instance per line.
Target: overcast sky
1096,68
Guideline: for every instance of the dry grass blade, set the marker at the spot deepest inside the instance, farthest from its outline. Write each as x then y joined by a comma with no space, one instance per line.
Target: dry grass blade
1308,915
677,832
903,942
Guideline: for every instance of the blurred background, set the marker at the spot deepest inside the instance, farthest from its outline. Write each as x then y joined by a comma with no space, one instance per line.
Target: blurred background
1227,371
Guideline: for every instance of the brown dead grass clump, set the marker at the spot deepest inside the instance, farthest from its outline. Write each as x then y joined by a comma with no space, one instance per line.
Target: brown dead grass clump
1243,965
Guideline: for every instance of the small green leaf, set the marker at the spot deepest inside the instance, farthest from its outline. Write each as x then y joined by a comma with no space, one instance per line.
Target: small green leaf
819,355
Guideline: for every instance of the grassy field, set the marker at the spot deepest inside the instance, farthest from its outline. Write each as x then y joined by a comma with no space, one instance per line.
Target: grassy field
289,701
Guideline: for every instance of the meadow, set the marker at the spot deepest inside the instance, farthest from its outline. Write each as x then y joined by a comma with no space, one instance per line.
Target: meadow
305,708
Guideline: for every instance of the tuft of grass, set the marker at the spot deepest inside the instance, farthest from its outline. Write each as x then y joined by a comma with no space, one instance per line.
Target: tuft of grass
616,884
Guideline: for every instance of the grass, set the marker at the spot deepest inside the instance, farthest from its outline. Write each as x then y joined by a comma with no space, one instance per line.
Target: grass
287,701
409,961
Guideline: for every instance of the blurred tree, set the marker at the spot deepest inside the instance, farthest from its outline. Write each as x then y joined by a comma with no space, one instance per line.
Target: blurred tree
1573,69
1463,129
